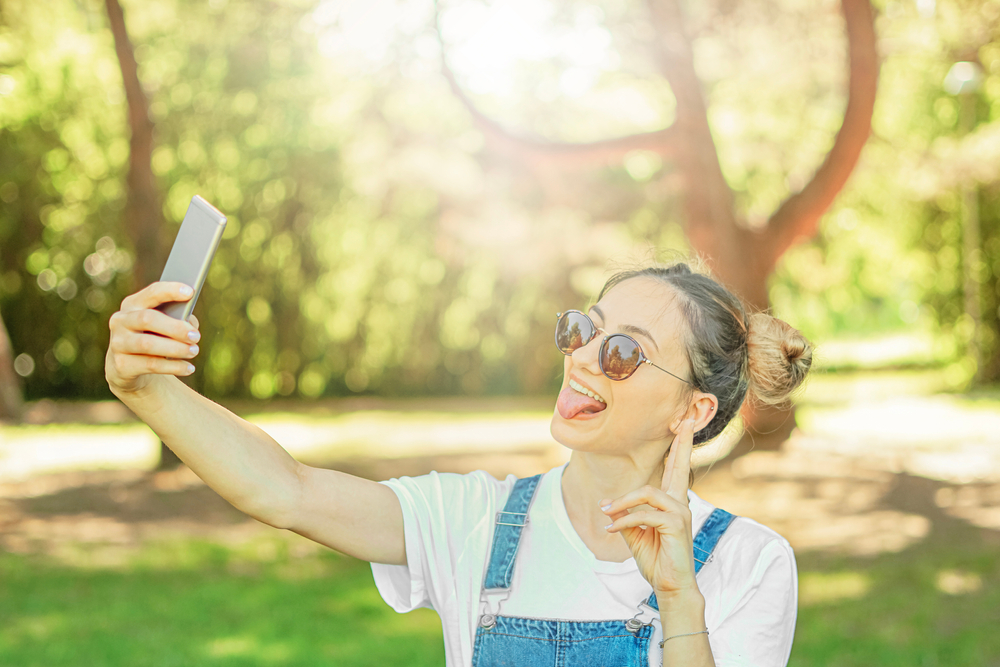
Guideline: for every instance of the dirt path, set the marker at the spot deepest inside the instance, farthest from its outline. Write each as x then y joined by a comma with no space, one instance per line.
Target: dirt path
861,492
819,503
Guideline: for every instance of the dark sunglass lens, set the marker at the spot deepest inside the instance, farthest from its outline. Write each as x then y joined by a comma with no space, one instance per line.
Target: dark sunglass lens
573,330
619,357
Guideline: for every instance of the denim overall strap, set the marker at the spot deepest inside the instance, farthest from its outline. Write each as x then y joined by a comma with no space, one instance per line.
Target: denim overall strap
704,542
507,534
502,641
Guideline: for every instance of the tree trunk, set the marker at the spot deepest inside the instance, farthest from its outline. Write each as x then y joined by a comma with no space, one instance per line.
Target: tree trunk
143,219
11,399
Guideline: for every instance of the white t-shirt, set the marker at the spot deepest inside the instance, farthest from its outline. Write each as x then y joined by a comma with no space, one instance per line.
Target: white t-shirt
750,586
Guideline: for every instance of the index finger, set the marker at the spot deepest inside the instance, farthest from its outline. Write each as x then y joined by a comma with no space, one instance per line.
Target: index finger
677,471
157,293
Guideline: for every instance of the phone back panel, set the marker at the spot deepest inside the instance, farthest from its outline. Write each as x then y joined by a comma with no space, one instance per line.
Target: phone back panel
192,252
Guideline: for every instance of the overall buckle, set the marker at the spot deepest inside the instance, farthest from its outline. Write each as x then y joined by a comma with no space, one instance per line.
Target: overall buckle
636,623
490,600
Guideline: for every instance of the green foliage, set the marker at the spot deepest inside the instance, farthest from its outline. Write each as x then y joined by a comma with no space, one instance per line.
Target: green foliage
375,245
889,255
62,151
335,274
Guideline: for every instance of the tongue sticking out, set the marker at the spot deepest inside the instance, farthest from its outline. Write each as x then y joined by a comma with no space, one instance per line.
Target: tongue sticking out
571,403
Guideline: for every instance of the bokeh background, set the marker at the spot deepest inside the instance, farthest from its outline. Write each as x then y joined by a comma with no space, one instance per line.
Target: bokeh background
414,189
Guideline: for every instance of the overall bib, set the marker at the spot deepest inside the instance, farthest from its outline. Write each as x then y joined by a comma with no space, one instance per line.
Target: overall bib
533,642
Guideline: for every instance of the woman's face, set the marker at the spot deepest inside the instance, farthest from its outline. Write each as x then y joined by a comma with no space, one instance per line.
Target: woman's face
639,410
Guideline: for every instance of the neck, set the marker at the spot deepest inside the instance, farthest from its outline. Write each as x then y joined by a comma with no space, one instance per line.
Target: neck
590,478
594,477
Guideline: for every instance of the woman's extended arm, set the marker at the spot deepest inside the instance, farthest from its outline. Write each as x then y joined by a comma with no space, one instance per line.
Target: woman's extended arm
241,462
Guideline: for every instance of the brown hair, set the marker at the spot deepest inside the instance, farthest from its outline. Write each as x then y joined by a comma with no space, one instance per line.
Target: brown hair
730,353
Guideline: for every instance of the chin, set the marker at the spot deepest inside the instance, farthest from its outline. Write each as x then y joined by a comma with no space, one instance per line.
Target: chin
577,433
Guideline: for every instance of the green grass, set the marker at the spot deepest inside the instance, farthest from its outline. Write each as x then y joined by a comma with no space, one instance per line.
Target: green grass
278,600
199,603
191,602
891,610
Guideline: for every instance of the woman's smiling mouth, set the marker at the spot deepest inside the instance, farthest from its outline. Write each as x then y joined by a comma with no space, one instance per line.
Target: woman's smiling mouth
583,390
576,400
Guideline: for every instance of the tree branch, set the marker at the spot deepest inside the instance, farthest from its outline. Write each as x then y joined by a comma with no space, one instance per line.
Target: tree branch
665,142
675,56
798,217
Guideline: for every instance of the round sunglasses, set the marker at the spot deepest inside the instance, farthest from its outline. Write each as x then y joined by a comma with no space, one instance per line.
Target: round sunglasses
619,355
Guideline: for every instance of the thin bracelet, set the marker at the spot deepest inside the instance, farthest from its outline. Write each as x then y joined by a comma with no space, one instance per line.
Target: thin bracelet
687,634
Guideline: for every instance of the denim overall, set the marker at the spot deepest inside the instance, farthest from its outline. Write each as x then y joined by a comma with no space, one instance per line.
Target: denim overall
533,642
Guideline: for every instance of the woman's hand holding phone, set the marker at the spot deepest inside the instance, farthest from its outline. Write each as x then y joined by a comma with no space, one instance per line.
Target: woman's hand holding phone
147,342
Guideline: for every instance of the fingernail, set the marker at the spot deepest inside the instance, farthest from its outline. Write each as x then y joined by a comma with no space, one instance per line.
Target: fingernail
186,291
190,368
194,336
608,527
194,349
605,508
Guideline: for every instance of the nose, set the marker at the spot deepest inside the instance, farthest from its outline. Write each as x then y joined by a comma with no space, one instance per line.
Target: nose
586,356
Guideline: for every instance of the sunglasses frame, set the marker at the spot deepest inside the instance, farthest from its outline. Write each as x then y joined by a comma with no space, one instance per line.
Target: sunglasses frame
643,359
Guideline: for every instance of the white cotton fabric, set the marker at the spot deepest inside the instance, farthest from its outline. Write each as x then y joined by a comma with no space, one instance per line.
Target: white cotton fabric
750,586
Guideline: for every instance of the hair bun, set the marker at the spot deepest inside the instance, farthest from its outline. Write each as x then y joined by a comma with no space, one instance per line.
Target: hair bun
779,357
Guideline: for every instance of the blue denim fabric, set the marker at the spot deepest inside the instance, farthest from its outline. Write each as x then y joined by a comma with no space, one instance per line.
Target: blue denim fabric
530,642
507,535
704,542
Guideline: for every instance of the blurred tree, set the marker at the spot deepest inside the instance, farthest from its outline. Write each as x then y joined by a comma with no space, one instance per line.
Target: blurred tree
741,255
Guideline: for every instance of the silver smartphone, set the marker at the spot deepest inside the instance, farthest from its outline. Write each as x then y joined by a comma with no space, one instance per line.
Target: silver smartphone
192,253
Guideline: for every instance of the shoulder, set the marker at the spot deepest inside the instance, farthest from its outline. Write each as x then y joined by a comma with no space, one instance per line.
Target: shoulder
748,551
743,529
751,592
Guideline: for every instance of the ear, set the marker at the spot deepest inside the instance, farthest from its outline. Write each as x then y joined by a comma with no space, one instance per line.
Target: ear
702,408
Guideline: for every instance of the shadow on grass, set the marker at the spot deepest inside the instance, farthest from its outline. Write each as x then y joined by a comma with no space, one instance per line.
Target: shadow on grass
935,603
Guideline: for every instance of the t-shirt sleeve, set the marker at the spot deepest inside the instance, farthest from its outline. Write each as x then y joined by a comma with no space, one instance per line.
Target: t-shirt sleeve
758,625
443,515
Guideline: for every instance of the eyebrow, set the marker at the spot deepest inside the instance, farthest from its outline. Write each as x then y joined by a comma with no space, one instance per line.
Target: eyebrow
630,328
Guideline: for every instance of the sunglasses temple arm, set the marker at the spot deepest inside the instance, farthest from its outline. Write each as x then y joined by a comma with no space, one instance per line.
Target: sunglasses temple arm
667,372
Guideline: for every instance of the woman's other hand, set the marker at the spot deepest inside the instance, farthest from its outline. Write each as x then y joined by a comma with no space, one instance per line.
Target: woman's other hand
660,535
145,342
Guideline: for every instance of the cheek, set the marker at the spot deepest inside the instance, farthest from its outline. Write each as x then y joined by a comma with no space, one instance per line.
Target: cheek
649,406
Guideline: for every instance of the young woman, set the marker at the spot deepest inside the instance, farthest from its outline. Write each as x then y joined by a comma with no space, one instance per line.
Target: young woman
607,560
